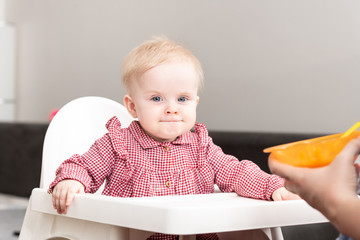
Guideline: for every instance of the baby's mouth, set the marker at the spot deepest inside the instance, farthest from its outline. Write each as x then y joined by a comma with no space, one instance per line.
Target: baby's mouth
171,120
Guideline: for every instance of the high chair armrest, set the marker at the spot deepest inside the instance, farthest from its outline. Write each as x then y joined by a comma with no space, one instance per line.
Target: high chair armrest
182,214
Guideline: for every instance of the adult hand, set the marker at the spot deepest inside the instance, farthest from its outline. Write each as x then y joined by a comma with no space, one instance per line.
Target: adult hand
331,189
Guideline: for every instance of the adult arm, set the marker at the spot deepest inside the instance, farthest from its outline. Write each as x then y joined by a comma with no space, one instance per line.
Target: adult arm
331,189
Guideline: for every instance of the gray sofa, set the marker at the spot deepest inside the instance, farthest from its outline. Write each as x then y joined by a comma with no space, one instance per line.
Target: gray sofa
21,149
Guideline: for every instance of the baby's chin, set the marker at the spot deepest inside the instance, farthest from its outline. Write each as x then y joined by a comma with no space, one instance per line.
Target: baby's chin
162,137
167,137
169,132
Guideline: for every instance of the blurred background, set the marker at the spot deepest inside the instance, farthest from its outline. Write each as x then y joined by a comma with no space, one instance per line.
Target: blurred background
277,66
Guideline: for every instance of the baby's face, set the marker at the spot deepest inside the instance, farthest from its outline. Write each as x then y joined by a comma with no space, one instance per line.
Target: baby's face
165,99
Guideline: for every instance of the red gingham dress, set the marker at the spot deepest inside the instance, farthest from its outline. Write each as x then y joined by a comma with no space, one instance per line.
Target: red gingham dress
135,165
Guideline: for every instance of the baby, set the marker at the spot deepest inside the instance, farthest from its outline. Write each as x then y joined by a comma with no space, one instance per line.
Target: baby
158,154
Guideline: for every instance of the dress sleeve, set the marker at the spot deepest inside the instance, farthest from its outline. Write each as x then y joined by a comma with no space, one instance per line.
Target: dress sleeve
94,166
243,177
247,180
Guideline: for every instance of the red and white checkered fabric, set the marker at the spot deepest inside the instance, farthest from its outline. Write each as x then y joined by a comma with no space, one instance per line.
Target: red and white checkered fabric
135,165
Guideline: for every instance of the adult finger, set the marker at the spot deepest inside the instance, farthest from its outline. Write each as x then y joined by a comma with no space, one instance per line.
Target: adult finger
349,152
281,169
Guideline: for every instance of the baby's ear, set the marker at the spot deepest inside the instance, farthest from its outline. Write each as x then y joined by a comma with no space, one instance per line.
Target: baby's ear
130,106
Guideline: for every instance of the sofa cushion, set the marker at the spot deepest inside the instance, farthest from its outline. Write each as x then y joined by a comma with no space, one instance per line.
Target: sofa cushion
20,157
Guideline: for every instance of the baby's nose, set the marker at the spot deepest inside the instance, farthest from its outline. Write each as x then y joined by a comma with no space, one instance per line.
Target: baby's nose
169,112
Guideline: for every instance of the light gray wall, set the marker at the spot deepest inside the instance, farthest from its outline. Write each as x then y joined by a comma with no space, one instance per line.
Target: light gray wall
288,66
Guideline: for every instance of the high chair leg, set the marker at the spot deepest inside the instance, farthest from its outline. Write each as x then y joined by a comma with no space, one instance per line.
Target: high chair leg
276,233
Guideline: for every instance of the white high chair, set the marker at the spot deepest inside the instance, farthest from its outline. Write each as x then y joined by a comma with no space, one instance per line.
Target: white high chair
92,216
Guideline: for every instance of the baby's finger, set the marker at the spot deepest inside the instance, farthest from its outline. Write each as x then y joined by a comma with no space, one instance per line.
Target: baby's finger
81,190
276,197
70,197
53,197
56,200
62,202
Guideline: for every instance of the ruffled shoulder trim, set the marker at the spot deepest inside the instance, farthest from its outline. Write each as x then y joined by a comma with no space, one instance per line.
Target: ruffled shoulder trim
202,134
117,135
113,123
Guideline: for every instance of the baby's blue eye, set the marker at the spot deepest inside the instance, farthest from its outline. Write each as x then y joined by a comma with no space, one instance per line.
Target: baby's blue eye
182,99
156,99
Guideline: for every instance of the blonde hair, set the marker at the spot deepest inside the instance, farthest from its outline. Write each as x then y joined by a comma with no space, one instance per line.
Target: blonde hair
153,53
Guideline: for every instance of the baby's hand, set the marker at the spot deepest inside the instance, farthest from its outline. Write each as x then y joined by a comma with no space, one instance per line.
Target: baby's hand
64,193
283,194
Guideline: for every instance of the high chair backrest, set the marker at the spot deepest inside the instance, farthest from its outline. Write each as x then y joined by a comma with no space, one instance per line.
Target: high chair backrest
75,128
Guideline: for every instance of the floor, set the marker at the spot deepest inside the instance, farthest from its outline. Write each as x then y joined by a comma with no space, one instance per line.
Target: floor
12,212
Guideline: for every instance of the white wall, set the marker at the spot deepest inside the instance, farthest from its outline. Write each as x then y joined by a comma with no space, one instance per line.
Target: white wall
2,10
270,65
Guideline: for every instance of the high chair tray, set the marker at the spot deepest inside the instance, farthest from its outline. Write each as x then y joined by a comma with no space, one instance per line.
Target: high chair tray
183,215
